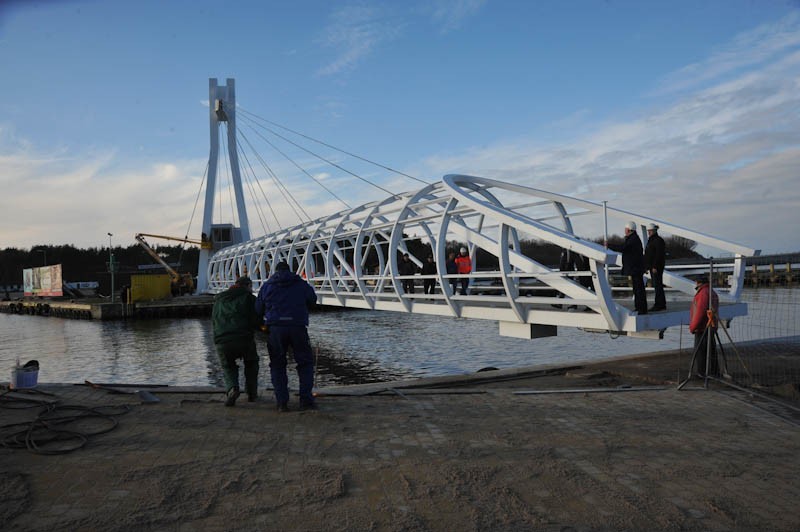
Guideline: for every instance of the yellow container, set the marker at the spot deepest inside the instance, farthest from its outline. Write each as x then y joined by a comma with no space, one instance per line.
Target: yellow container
149,287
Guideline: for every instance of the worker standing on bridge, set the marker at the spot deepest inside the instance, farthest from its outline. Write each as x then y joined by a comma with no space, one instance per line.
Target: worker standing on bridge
429,269
654,261
633,265
452,269
234,320
407,269
283,301
464,265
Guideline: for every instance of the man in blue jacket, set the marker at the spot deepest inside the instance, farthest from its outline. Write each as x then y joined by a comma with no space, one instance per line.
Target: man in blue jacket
283,301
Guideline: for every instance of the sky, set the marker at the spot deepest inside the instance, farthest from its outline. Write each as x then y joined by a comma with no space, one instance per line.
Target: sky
684,111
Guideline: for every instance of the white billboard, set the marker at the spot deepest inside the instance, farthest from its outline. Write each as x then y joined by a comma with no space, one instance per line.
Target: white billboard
43,282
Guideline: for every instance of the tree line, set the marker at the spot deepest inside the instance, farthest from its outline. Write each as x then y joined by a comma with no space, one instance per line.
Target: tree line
91,264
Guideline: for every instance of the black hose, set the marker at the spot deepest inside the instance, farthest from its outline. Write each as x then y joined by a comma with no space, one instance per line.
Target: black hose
57,428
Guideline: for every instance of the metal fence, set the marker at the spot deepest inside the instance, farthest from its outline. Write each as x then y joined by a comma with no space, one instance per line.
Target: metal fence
761,351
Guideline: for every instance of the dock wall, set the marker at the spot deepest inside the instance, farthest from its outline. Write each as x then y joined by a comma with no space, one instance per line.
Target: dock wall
103,310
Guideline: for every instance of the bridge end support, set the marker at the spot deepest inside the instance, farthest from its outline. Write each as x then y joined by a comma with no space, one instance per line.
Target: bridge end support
527,331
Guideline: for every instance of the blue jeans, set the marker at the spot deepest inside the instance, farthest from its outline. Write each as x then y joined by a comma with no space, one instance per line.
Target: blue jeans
281,338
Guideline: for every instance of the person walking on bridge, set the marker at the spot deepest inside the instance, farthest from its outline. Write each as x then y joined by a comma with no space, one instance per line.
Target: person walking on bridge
452,269
464,265
654,261
234,321
283,301
407,269
429,269
633,265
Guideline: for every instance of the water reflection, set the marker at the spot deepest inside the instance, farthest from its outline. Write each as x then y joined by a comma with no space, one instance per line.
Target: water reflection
352,346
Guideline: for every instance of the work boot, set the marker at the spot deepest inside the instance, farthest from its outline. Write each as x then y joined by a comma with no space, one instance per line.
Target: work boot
282,407
308,405
233,395
252,397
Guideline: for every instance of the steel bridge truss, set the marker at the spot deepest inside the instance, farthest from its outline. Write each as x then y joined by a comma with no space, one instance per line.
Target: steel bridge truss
351,258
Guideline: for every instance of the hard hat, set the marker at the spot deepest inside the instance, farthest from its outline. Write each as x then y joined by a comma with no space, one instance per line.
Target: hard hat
652,227
463,250
631,226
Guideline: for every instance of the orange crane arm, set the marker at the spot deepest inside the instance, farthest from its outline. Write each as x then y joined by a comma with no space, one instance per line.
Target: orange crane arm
204,244
142,242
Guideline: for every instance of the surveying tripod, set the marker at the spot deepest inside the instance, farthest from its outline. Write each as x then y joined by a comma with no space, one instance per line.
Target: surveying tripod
709,341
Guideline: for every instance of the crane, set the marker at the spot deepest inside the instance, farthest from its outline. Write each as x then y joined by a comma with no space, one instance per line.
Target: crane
182,283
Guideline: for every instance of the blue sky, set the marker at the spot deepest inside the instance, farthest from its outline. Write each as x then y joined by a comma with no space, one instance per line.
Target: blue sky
684,111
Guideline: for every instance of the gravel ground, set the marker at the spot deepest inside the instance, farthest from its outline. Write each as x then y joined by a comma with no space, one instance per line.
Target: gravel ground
446,454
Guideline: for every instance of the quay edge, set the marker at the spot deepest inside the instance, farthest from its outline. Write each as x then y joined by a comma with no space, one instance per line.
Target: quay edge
188,306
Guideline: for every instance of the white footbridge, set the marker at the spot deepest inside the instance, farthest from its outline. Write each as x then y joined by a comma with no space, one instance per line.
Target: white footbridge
352,257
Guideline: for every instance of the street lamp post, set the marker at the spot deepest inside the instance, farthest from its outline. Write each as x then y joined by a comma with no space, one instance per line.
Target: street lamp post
111,265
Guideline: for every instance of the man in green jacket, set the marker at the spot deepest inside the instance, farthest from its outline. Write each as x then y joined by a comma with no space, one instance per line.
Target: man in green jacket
234,320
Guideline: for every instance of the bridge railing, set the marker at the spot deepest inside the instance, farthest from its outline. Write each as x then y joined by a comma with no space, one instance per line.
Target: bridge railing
352,258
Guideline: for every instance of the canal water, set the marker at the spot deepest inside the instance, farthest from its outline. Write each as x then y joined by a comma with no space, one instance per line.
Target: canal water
352,346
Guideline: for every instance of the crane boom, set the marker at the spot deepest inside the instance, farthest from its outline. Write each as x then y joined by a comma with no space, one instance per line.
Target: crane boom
180,282
150,251
204,244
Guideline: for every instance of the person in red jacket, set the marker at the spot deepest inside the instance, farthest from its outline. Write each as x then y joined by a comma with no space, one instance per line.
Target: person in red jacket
464,266
699,326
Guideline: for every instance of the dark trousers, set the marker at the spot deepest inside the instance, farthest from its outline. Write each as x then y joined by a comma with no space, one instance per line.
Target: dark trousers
639,295
281,338
228,354
408,286
464,286
430,285
658,286
701,348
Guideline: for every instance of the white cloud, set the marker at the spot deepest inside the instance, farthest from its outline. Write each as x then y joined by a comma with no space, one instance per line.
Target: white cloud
354,32
60,199
449,15
724,160
748,49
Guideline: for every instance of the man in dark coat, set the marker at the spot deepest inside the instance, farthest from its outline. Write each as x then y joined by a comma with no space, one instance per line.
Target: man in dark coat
654,261
406,268
452,269
633,265
234,320
283,301
429,268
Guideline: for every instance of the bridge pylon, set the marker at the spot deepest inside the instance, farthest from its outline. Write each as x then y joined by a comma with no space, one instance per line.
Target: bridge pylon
222,109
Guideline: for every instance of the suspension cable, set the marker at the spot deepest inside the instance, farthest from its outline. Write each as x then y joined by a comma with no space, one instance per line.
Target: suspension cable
281,187
298,166
333,147
320,157
263,193
194,208
249,179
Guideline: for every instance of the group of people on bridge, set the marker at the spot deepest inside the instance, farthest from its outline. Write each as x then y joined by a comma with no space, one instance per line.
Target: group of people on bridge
636,261
458,268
